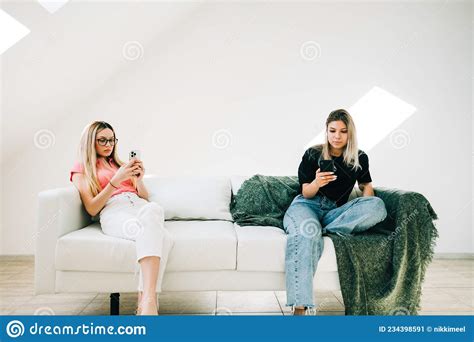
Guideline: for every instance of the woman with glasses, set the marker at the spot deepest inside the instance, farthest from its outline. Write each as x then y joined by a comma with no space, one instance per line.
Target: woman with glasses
116,191
322,205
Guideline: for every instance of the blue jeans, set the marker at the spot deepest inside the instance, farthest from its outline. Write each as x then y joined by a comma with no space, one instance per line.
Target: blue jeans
305,221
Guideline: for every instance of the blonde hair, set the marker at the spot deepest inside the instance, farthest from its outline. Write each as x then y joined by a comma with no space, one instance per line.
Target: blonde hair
351,151
87,154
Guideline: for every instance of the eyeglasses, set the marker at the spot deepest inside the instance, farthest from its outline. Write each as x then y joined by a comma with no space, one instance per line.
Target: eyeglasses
103,141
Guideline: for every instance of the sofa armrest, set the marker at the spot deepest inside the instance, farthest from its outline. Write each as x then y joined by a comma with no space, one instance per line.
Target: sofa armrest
60,211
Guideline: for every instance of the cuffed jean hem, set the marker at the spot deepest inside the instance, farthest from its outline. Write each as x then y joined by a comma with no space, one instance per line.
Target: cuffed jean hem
309,306
309,310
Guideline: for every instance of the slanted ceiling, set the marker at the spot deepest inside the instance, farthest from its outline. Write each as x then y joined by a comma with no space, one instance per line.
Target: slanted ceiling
95,31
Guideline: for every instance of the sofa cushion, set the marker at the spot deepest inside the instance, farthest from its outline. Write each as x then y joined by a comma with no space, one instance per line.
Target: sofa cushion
203,198
198,246
262,248
202,245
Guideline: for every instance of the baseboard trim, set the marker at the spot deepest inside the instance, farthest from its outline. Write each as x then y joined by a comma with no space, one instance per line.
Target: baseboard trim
17,257
439,256
468,256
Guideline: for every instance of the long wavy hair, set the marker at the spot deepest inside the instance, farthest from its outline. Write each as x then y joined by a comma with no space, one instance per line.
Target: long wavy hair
351,150
87,154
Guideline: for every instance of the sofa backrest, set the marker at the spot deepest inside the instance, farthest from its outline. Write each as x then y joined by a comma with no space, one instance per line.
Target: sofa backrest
198,198
188,198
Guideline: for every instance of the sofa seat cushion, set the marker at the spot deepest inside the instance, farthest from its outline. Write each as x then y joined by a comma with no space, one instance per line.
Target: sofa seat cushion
202,245
262,248
198,246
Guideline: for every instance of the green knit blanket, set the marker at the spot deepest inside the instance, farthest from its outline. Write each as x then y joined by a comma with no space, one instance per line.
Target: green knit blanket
380,270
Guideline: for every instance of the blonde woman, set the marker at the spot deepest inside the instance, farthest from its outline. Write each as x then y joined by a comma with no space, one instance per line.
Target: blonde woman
322,205
116,191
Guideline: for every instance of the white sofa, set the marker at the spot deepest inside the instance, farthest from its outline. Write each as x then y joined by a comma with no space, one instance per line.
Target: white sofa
210,251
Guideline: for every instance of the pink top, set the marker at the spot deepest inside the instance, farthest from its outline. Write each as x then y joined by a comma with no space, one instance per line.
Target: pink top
105,173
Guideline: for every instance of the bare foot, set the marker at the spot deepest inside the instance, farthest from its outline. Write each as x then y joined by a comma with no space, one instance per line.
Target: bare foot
138,310
148,306
299,311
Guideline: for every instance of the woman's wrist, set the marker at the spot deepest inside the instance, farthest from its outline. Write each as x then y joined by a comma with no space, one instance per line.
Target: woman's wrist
316,186
110,182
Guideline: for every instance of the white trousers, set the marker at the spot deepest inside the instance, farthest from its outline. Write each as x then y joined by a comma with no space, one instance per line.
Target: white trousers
131,217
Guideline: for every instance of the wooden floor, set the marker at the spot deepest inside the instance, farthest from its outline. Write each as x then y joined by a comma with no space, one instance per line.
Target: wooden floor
448,290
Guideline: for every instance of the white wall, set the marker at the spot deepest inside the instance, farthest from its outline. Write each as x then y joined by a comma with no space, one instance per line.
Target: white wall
237,67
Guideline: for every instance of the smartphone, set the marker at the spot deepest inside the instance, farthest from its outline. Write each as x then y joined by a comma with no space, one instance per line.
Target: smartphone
327,165
134,153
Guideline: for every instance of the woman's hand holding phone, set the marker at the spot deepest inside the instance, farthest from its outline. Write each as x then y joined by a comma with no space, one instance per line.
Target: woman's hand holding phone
127,171
323,178
141,170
